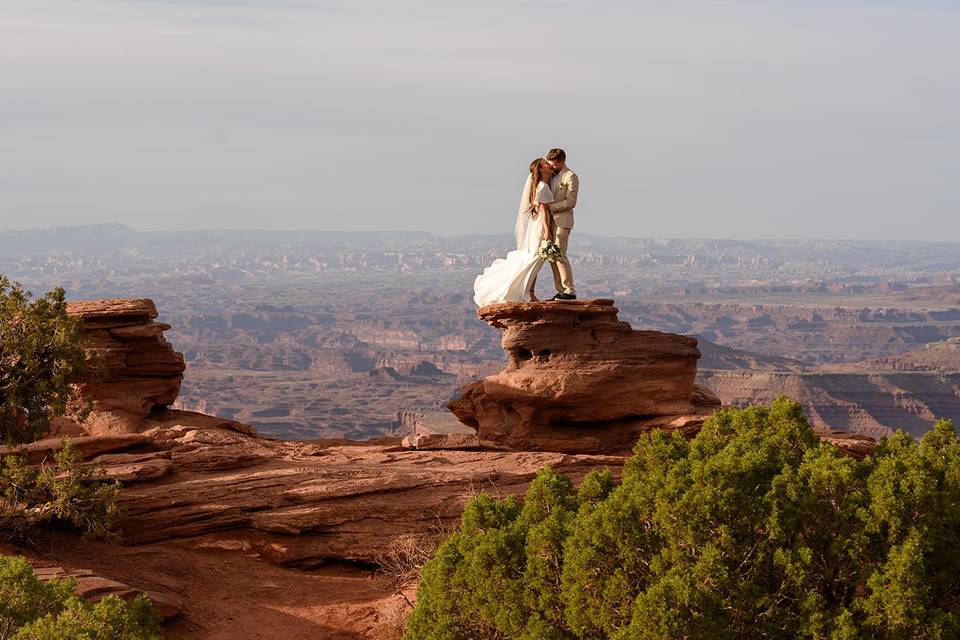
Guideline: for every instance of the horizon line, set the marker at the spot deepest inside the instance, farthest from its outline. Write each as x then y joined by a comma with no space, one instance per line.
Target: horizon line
458,235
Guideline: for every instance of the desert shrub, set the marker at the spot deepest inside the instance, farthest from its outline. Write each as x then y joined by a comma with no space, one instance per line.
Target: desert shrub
68,492
35,610
403,558
752,529
42,360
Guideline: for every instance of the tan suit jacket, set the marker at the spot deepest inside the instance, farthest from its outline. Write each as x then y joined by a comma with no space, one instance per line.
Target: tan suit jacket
565,199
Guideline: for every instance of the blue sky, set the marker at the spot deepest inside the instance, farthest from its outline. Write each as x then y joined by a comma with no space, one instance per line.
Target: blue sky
684,118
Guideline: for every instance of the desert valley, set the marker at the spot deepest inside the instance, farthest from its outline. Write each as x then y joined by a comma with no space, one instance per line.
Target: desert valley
292,420
333,335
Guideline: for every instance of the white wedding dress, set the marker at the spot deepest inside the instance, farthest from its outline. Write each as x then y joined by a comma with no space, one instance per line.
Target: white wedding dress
509,279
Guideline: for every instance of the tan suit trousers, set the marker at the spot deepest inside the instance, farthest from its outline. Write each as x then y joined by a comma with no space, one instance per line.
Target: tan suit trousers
562,271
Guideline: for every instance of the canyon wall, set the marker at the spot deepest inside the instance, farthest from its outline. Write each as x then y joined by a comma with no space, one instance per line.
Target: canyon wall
873,403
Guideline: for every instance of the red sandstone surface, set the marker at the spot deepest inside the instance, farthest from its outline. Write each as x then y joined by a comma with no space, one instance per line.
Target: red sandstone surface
263,538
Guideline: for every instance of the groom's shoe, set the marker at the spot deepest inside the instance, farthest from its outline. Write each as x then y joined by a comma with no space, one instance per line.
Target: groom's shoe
564,296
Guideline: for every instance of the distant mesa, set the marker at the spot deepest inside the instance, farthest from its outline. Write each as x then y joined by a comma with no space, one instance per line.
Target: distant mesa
269,308
385,374
421,370
716,356
874,397
942,356
870,402
427,369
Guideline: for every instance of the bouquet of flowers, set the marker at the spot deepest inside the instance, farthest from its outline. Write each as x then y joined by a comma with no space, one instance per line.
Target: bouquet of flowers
550,250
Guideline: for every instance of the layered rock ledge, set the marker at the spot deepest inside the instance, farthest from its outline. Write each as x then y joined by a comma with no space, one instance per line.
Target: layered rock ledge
213,483
578,389
580,380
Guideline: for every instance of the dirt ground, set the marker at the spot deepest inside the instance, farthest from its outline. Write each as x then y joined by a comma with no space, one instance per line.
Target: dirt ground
232,595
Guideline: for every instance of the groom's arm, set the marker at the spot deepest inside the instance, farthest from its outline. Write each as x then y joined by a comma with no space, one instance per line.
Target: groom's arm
570,199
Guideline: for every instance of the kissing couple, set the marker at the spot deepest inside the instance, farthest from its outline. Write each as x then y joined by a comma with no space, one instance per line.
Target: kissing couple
544,222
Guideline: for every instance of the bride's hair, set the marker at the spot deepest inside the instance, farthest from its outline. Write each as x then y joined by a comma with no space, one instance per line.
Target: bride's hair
535,180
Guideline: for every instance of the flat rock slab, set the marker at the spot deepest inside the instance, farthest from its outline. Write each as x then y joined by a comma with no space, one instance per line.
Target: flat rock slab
135,467
306,503
440,441
113,308
144,330
94,588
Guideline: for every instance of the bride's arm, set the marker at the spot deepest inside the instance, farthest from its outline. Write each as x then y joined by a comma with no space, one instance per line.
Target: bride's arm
544,216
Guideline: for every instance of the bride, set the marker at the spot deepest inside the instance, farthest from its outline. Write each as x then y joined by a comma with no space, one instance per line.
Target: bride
512,279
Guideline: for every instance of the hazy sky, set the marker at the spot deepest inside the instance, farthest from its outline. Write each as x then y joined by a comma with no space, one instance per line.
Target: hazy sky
684,118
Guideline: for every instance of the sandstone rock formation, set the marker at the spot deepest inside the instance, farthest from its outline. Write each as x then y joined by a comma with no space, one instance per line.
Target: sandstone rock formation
580,380
141,373
209,503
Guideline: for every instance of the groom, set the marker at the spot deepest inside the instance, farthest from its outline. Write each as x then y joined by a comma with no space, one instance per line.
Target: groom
565,184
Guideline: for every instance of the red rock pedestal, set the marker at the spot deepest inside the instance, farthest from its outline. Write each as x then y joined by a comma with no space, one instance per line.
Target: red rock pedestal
142,371
581,381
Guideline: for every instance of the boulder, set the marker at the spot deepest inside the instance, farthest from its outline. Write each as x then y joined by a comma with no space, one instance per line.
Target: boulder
438,441
578,379
435,430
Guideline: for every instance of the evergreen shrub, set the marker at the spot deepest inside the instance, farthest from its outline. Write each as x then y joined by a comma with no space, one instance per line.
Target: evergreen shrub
752,529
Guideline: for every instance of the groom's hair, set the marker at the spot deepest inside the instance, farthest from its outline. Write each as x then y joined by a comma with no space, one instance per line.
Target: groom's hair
557,154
